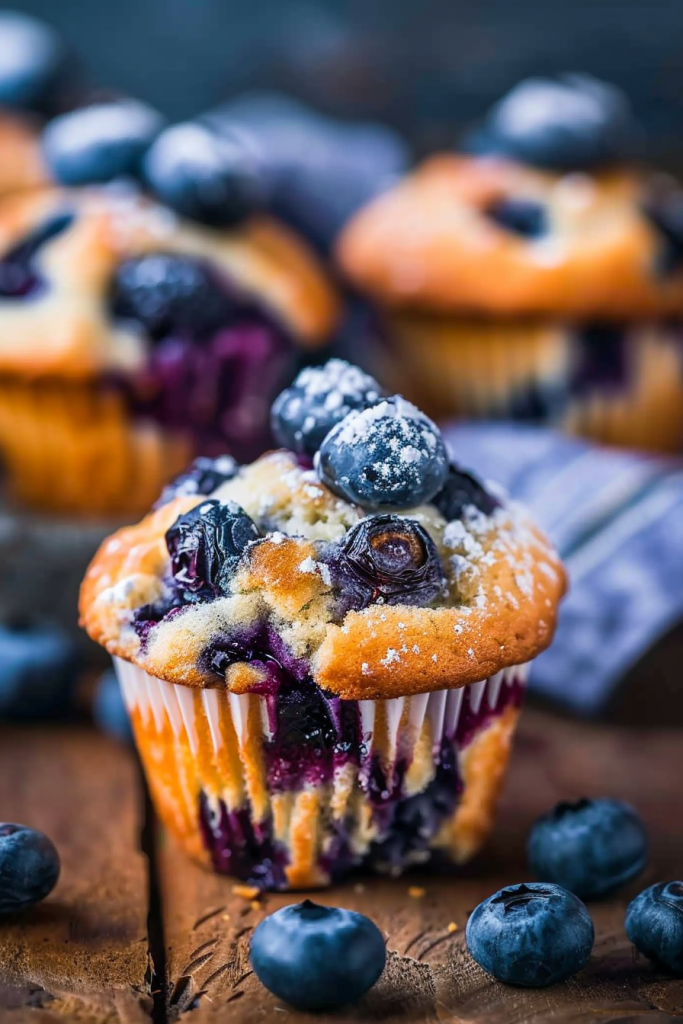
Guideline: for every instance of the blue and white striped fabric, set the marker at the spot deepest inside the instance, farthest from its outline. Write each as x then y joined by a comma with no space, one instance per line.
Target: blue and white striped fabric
617,520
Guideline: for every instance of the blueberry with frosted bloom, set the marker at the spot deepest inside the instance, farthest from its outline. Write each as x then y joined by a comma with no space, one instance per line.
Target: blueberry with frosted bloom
319,398
388,456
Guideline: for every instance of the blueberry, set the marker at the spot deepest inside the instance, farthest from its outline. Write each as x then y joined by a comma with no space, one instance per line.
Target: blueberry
531,934
571,124
591,847
654,924
209,178
392,559
317,958
319,169
109,709
19,277
33,62
463,490
319,398
38,669
205,545
388,456
100,143
203,477
29,867
520,216
168,293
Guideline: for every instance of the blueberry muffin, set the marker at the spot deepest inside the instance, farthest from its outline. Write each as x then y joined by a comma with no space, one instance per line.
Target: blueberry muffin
537,278
132,338
324,652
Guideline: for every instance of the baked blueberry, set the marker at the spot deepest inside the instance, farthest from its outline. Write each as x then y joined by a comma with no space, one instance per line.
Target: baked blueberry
570,124
19,277
38,669
101,142
169,293
317,958
29,867
207,177
590,847
320,397
33,62
531,934
654,924
205,544
203,477
388,456
393,559
463,490
109,709
520,216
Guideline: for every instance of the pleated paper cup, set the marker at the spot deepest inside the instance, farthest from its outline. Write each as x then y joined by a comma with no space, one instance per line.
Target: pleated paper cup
72,448
293,791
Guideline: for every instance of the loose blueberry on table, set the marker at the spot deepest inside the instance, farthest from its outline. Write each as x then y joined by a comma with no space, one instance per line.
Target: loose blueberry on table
532,934
590,847
317,958
29,867
654,924
38,672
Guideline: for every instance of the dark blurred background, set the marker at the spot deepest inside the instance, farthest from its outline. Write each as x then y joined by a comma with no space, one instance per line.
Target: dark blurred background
425,67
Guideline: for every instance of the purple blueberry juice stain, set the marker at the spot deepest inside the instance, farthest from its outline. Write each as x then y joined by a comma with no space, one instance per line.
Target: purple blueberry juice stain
240,847
214,377
19,276
312,735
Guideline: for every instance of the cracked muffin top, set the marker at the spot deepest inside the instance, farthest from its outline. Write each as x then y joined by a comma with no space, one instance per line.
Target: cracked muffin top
362,557
91,277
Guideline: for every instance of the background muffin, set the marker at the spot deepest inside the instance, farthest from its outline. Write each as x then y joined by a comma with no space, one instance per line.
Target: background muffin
132,339
538,279
324,666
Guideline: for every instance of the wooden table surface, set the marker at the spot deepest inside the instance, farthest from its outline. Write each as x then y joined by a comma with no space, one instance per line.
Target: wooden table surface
135,932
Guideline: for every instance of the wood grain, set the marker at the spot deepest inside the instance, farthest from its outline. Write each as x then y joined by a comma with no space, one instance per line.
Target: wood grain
81,955
429,974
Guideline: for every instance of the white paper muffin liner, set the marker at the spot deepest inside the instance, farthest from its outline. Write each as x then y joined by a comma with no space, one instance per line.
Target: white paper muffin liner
397,725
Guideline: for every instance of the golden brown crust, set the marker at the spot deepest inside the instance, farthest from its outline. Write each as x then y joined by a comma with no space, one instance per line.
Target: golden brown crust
428,244
503,583
67,330
21,163
483,764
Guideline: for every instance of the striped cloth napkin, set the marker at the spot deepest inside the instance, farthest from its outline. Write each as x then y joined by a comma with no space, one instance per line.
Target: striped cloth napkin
617,520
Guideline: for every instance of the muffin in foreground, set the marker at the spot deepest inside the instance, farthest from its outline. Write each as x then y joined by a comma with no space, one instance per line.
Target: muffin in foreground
540,278
133,339
324,653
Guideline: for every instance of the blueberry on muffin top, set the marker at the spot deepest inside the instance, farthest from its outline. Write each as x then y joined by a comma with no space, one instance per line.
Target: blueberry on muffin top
573,123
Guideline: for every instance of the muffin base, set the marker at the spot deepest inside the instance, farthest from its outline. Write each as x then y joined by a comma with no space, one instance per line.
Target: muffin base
625,388
72,448
296,794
